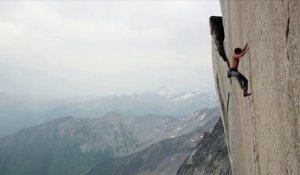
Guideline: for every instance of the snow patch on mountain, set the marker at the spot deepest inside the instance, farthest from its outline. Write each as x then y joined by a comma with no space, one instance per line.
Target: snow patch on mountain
165,92
186,96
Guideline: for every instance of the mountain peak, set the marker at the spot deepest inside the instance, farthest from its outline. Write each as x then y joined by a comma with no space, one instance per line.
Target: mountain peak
165,92
113,115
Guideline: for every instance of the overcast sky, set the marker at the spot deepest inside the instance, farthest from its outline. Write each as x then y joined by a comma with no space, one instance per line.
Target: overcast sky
77,48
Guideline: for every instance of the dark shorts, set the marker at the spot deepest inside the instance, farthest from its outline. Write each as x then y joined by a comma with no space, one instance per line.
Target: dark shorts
240,77
232,73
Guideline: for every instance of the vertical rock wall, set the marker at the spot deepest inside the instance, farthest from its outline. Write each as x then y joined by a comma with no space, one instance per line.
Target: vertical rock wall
262,130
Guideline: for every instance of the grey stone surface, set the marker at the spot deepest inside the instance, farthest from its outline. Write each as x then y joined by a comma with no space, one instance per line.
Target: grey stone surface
262,130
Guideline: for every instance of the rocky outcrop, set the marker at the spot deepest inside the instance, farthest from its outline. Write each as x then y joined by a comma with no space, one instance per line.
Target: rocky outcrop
262,130
217,32
209,157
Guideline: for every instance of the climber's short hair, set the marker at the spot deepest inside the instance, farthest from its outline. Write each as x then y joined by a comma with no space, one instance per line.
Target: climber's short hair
237,50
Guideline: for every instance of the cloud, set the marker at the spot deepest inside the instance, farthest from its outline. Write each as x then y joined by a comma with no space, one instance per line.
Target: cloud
102,47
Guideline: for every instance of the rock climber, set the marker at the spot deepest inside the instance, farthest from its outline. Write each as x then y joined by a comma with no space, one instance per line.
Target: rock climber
233,70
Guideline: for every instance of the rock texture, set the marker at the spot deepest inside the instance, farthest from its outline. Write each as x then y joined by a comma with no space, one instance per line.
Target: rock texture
262,131
161,158
209,157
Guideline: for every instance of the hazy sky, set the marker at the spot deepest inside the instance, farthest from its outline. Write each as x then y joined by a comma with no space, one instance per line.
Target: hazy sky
77,48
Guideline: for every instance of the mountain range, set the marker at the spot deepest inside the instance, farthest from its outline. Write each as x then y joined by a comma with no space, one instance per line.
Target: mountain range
183,155
70,146
162,102
161,158
18,112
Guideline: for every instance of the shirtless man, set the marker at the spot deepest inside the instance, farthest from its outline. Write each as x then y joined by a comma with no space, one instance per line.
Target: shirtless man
233,71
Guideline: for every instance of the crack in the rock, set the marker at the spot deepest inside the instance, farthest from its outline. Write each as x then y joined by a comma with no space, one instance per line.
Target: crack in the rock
225,117
287,31
228,98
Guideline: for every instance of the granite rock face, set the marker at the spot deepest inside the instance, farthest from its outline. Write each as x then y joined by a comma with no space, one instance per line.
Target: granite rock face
262,130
